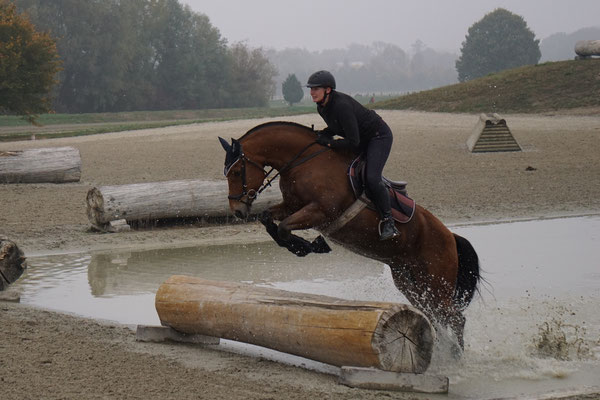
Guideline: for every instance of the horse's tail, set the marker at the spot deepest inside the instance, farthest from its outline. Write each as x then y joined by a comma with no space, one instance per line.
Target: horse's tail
468,273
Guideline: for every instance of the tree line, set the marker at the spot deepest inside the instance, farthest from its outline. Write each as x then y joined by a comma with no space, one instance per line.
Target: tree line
146,55
499,41
380,67
131,55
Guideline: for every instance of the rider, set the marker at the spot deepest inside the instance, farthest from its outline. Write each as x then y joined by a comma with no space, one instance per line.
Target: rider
362,131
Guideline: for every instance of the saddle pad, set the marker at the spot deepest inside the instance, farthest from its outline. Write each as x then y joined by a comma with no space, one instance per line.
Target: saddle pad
403,207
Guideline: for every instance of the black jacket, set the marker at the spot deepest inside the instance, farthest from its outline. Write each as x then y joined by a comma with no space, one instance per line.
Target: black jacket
349,119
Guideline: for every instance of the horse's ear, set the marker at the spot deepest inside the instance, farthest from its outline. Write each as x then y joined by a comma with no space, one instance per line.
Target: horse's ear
226,146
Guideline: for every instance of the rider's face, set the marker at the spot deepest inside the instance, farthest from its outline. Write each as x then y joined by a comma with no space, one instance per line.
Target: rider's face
318,93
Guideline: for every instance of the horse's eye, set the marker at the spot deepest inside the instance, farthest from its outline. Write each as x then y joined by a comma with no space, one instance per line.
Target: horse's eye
236,174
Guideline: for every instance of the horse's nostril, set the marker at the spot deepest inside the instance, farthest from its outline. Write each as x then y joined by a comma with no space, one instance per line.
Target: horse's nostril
239,214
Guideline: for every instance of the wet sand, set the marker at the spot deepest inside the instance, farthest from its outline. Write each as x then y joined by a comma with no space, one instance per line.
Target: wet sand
51,355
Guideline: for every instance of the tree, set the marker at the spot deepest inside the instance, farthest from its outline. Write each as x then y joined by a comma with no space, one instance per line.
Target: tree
292,90
250,80
28,65
147,55
499,41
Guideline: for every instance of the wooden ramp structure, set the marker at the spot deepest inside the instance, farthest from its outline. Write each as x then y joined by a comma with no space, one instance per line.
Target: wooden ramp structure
491,134
385,336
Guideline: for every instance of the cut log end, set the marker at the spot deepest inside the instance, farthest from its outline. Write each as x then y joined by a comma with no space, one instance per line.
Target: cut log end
95,207
404,340
12,263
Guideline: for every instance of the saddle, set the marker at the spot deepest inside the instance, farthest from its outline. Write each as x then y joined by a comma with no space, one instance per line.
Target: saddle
403,207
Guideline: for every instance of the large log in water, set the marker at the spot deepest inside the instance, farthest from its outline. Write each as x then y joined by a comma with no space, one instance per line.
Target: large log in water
45,165
387,336
12,262
166,200
587,48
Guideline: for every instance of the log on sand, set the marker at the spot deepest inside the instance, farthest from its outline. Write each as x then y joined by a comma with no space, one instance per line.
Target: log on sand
45,165
165,200
12,262
387,336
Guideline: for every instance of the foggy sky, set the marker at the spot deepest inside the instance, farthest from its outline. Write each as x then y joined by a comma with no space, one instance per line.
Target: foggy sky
326,24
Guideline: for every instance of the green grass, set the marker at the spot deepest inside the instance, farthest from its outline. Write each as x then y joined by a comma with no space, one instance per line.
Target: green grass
540,88
66,125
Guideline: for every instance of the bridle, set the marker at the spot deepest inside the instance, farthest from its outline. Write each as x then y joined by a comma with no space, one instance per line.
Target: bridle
252,194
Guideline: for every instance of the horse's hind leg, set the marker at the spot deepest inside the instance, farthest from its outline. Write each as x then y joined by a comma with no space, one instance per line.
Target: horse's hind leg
457,324
432,297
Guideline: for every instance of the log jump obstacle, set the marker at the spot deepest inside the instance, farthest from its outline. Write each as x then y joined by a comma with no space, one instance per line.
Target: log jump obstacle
164,200
388,336
12,262
587,49
45,165
362,337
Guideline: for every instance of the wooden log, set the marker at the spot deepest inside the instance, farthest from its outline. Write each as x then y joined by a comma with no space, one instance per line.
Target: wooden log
387,336
12,262
166,200
587,48
45,165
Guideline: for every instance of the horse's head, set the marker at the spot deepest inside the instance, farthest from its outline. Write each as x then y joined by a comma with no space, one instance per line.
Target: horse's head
244,176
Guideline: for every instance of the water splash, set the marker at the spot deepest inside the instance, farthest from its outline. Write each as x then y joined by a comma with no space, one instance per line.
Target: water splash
561,341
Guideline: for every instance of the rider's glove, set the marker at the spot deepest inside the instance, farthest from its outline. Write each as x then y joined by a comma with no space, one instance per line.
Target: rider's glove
324,139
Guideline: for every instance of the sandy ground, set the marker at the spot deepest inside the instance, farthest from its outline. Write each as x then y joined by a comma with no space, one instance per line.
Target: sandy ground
49,355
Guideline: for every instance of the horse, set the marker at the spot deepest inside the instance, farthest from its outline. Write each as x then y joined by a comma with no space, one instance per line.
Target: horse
435,269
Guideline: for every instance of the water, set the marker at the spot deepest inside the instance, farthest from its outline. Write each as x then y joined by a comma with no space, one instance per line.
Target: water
534,328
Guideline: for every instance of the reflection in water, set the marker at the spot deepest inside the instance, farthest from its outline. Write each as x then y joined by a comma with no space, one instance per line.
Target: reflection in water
260,263
535,326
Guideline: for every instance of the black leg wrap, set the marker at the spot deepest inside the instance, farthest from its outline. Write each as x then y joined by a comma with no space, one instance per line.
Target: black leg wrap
319,245
296,244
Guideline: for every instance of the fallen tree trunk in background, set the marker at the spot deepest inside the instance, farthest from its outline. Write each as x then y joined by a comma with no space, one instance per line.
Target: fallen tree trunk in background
387,336
45,165
587,48
12,262
166,200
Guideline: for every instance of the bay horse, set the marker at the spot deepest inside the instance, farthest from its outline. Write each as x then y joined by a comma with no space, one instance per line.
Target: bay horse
436,270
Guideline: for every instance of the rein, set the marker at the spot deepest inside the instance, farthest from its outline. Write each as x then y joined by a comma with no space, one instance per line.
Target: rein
252,194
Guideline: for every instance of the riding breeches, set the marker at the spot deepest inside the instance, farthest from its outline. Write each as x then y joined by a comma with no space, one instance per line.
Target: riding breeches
377,152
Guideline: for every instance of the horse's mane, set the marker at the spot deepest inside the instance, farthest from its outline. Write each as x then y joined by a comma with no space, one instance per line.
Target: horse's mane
276,123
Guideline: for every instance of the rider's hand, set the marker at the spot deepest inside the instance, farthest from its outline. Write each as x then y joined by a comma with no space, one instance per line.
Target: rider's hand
324,139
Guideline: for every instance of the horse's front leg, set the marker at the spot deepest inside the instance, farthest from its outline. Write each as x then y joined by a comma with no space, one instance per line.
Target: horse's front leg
307,217
285,238
278,212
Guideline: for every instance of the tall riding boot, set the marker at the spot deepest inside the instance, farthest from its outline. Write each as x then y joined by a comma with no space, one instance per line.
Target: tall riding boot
387,226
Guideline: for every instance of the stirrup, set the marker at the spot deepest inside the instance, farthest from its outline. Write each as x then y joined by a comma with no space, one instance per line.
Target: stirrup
395,232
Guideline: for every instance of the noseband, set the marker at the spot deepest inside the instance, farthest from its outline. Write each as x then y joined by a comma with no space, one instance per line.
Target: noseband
252,193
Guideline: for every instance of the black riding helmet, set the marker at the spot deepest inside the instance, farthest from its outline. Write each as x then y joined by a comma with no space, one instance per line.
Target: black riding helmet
321,79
